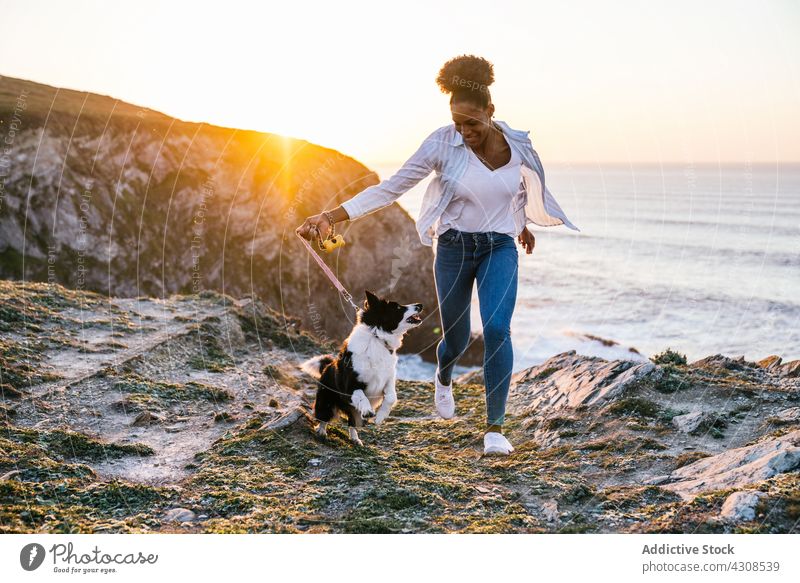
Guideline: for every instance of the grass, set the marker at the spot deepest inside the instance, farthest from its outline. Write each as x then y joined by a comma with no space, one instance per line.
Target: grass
637,407
212,356
545,373
143,392
669,356
264,325
51,489
71,445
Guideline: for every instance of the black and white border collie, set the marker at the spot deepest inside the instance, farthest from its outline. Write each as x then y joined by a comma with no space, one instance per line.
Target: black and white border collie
359,381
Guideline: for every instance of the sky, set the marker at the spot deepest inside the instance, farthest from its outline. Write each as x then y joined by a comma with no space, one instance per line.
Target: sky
594,82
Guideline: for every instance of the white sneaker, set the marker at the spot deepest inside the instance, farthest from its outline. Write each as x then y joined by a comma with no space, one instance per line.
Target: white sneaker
443,398
496,443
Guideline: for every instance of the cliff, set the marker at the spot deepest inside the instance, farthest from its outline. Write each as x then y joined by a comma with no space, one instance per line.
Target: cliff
101,195
189,414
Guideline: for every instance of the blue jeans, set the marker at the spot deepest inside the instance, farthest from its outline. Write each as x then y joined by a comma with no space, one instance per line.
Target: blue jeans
492,258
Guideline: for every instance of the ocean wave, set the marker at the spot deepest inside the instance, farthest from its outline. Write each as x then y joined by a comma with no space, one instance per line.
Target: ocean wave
646,249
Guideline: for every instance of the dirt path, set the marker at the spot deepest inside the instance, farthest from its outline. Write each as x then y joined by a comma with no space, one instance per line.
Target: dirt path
162,346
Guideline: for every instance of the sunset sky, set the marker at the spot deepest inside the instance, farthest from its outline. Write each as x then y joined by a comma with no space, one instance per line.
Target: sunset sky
665,81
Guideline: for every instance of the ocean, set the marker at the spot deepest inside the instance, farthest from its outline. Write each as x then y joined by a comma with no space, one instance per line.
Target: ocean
702,259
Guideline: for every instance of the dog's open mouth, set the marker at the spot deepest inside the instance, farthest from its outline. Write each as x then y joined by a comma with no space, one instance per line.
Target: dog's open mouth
415,319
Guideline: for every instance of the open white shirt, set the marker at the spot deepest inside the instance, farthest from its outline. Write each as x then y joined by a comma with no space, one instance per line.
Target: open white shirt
482,198
445,152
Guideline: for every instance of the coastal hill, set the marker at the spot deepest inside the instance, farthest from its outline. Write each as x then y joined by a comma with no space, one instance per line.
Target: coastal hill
107,196
188,413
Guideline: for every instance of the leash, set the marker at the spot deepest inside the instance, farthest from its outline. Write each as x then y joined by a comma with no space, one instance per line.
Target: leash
334,280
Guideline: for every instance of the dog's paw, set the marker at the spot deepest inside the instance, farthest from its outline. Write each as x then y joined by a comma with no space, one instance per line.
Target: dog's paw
365,409
380,417
321,433
357,441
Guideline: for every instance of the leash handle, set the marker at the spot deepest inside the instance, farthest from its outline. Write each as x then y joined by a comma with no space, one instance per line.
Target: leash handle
328,272
331,235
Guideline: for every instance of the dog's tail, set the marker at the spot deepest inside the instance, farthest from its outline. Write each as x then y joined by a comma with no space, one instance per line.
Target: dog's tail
314,366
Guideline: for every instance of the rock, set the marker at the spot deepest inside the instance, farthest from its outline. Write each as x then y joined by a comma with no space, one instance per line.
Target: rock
737,467
550,510
223,416
9,475
286,420
222,196
179,515
146,419
657,480
690,422
314,461
722,361
790,369
770,362
790,415
741,506
570,380
231,332
472,355
9,392
472,377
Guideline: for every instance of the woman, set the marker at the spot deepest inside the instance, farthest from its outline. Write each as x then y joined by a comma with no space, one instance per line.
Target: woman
489,185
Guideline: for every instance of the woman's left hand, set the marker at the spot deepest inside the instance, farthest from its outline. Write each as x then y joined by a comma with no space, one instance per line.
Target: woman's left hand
527,240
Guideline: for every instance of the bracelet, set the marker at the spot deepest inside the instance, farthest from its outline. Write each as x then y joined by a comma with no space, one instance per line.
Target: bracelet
330,219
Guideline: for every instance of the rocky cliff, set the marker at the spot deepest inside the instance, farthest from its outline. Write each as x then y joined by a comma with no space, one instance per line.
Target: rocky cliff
190,414
102,195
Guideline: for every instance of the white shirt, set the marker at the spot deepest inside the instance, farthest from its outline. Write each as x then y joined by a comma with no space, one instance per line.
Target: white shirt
445,152
482,198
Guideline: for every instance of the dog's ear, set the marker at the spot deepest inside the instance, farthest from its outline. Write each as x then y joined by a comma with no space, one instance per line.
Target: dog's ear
371,298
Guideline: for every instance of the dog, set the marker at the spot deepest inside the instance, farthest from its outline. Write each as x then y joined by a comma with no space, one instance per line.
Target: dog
359,381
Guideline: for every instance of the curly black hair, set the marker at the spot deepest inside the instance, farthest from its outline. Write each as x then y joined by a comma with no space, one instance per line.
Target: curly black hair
468,78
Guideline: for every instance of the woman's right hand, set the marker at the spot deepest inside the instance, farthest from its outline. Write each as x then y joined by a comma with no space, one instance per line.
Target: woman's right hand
314,226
